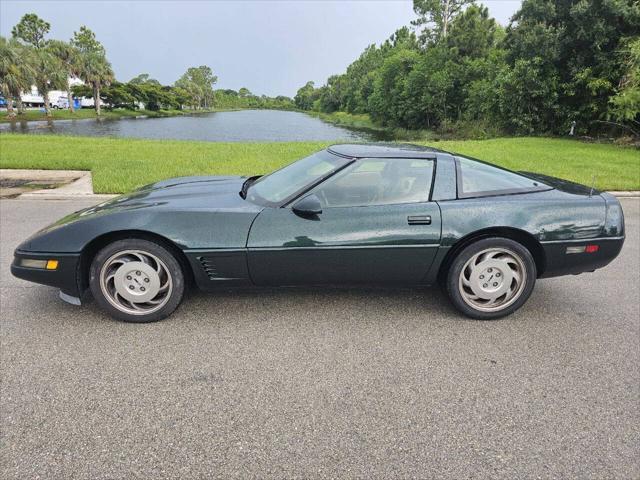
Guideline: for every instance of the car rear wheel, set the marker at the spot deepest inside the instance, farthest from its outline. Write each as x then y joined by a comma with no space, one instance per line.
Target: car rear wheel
136,280
491,278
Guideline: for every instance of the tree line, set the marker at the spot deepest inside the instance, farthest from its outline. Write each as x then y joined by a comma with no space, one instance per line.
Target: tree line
30,58
558,64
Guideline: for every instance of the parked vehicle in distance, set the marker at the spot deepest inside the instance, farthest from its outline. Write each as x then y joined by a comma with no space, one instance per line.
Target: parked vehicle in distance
63,102
383,214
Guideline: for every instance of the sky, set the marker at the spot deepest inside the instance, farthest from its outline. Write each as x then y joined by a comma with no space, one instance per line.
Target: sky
270,47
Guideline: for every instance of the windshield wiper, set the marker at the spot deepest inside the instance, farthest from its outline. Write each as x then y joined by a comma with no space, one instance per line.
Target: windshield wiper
246,184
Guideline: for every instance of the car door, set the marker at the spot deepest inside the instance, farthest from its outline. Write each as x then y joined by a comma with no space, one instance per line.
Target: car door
377,226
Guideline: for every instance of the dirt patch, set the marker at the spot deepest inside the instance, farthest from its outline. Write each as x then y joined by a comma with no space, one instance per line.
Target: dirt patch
11,183
45,184
12,187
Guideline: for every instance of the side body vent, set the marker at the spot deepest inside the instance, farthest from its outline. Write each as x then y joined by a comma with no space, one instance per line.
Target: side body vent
209,266
221,268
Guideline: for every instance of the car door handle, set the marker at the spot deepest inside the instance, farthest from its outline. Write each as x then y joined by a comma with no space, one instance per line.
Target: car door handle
419,219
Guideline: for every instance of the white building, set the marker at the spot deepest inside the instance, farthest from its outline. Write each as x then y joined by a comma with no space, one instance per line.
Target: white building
57,98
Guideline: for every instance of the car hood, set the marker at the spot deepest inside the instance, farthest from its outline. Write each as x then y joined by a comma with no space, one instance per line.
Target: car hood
216,194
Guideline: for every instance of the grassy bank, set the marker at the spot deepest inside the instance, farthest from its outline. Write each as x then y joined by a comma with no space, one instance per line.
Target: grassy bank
346,119
84,113
364,122
120,165
460,130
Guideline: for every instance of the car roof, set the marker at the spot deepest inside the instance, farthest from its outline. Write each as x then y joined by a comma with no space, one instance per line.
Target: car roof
383,150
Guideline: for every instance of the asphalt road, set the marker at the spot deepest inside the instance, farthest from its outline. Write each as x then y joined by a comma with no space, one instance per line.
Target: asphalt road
317,383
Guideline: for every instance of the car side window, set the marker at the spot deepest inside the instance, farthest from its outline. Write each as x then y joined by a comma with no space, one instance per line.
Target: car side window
479,179
378,181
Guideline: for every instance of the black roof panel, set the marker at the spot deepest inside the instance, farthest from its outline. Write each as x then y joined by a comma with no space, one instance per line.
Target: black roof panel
384,150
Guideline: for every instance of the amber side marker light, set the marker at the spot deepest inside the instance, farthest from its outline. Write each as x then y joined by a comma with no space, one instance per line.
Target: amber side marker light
583,249
44,264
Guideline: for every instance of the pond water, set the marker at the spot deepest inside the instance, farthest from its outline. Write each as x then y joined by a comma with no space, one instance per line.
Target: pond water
236,126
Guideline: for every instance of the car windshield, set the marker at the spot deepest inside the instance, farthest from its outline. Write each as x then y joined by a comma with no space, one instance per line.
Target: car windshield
272,189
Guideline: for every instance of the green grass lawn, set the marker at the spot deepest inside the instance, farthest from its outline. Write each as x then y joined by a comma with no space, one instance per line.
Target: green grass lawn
615,167
120,165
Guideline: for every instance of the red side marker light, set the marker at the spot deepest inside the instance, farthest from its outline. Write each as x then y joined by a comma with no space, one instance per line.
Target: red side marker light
583,249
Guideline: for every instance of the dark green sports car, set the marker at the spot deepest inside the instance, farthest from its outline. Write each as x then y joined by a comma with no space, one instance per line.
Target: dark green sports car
349,215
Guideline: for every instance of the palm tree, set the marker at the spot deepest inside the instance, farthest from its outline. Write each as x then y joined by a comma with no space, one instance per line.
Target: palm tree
49,71
69,57
51,74
94,68
8,62
16,73
96,71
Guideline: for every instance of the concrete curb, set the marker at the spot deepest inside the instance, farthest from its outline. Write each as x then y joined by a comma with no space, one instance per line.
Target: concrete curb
79,184
75,183
89,197
80,187
629,194
54,176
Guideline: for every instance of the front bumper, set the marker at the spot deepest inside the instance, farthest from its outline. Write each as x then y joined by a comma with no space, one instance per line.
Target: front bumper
65,276
559,262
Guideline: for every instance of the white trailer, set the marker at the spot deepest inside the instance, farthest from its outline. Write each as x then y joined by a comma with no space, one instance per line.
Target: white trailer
57,98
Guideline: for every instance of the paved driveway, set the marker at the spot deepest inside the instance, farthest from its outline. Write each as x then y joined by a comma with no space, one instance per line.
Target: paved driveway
350,383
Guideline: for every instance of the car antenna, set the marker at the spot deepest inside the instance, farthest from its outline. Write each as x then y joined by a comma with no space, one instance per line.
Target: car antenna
593,185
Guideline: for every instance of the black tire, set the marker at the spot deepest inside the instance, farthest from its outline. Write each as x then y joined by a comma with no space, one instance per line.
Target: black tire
160,258
460,294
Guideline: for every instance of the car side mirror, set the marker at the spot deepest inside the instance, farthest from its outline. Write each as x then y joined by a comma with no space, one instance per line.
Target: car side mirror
308,206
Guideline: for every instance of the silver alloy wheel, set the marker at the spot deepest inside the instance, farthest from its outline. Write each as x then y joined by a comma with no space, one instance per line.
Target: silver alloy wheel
492,279
136,282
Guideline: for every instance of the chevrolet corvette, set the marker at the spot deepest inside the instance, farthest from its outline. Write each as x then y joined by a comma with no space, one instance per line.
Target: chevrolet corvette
362,214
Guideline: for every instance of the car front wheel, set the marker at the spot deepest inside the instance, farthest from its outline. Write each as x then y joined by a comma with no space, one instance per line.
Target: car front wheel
136,280
491,278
